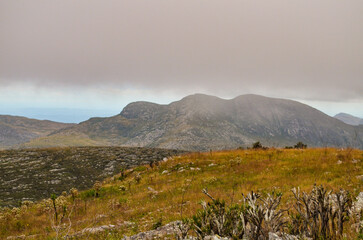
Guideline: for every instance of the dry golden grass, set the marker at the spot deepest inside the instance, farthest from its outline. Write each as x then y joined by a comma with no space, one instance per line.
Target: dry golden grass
226,174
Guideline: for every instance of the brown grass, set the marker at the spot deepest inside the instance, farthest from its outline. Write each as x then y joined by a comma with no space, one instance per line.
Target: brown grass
226,174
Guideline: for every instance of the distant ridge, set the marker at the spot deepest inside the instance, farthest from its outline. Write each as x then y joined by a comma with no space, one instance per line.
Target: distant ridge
201,122
16,130
349,119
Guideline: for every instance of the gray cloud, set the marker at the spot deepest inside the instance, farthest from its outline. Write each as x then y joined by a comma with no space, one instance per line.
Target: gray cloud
303,49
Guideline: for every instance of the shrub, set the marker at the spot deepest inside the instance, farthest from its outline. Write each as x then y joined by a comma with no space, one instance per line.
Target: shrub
257,145
254,219
320,214
157,224
300,145
97,187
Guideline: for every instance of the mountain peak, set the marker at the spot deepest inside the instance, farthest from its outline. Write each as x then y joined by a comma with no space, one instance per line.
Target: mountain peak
203,122
349,119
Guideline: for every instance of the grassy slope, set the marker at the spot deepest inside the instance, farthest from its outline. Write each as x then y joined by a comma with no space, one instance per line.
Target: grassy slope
63,141
226,175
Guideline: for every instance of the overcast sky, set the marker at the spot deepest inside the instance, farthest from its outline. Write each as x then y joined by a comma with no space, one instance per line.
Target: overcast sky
96,56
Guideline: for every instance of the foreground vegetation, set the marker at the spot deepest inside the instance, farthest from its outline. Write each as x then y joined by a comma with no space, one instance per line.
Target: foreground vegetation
152,195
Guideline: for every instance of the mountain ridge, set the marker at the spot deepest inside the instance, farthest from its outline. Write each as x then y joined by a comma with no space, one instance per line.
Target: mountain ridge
349,119
16,130
201,122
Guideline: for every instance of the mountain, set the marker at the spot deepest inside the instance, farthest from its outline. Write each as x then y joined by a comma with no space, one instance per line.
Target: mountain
17,130
349,119
203,122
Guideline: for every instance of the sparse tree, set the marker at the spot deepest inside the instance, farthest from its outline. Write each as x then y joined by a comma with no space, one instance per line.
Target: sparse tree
300,145
257,145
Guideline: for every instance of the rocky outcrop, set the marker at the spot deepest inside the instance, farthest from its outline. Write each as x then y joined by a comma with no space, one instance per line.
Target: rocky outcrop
36,173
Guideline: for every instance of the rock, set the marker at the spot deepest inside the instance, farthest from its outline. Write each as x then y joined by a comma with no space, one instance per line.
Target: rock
160,233
339,162
215,237
358,204
152,191
16,237
284,236
27,173
194,169
273,236
97,229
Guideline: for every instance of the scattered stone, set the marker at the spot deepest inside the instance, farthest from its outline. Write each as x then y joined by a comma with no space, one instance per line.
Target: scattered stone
339,162
284,236
152,191
24,172
358,204
159,233
16,237
215,237
98,229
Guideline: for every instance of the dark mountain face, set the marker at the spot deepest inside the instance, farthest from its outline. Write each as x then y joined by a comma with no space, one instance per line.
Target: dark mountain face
349,119
202,122
18,130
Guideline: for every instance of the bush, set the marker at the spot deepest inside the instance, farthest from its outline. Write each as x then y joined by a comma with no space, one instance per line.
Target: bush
254,219
257,145
319,214
300,145
157,224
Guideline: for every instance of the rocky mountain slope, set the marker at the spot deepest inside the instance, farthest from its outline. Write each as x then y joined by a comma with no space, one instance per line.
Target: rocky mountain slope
32,174
202,122
16,130
349,119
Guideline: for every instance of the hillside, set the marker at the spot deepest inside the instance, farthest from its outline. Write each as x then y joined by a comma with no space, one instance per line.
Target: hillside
33,174
144,198
17,130
202,122
349,119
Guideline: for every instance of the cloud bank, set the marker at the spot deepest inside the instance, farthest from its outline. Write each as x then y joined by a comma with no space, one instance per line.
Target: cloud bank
308,50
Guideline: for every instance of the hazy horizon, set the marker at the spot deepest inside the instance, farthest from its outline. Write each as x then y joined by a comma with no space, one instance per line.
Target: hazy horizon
77,115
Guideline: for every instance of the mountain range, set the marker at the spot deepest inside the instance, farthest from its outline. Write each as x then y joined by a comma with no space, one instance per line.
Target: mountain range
349,119
202,122
17,130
